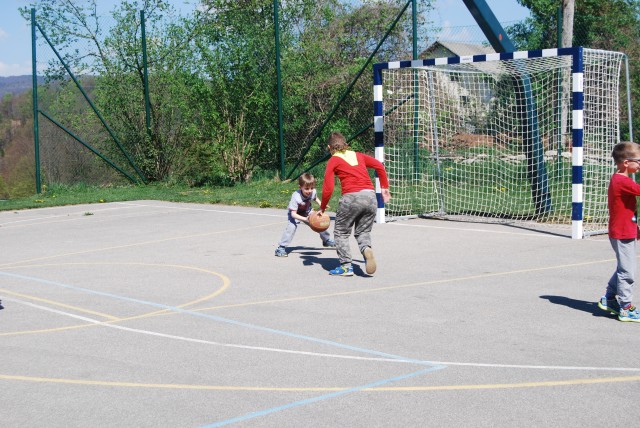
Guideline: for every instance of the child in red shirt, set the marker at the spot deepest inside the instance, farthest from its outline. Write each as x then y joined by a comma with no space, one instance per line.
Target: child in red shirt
358,203
623,232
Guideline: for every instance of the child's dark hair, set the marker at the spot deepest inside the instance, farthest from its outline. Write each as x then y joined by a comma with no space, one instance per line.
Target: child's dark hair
337,142
625,150
306,179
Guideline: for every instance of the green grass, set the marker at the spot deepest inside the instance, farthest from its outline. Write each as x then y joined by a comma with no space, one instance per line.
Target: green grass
260,193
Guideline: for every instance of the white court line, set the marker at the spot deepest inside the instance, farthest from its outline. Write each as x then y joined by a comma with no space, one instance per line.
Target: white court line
315,354
394,223
206,209
71,216
53,216
257,214
492,231
202,341
79,217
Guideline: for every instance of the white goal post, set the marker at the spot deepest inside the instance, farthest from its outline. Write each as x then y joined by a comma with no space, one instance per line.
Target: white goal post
510,137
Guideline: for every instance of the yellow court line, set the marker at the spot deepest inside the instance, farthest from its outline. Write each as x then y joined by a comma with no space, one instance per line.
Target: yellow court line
317,296
224,278
514,385
53,330
415,284
117,247
368,290
54,303
225,284
546,384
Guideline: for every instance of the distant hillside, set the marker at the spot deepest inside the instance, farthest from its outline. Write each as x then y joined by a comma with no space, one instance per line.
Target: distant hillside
16,84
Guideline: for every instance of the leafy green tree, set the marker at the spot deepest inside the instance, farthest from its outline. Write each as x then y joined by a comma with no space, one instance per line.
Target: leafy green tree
323,45
114,58
328,46
600,24
212,77
235,112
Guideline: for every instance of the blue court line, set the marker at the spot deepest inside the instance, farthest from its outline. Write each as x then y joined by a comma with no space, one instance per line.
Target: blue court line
433,366
321,398
223,320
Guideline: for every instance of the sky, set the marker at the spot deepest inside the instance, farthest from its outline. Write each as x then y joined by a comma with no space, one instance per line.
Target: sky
15,33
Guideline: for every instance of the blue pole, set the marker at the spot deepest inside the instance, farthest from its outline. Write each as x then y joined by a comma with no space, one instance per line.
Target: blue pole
534,150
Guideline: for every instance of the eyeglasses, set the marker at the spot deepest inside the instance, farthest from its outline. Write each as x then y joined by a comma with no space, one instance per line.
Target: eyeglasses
634,160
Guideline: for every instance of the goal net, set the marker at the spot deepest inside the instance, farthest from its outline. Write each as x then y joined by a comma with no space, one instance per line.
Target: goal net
509,137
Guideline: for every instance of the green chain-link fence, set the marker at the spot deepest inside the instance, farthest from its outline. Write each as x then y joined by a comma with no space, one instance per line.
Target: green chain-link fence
210,113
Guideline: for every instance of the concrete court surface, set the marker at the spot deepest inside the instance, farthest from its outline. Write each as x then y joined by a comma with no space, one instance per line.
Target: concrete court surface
157,314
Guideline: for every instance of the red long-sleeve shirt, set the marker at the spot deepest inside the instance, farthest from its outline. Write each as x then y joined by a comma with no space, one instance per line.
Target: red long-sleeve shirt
622,207
351,169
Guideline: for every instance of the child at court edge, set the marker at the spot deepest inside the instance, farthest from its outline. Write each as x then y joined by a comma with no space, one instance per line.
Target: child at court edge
298,211
358,203
623,232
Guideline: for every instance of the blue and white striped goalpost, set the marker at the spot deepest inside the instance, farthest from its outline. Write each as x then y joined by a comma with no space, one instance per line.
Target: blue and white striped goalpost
577,154
378,127
576,53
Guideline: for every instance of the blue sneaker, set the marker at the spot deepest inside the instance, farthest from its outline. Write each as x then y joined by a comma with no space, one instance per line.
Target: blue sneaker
609,305
629,314
281,252
329,243
343,270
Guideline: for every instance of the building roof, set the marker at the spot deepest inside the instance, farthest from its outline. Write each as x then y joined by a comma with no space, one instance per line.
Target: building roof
456,49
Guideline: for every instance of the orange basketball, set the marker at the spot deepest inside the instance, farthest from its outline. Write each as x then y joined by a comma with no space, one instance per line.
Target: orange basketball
319,223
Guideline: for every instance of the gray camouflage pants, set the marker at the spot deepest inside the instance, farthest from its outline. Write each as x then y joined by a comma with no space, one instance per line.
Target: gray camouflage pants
356,211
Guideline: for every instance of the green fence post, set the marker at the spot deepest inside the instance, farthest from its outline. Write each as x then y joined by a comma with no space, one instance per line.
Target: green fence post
350,87
92,105
147,102
629,106
416,99
559,102
276,25
34,79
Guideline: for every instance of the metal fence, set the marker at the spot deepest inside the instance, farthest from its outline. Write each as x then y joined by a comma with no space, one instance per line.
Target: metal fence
81,137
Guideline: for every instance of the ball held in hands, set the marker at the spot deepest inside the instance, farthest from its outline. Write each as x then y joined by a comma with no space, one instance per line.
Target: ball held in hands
319,221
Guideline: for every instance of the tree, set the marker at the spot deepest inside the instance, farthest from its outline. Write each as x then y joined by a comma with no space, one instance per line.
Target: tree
600,24
113,57
212,78
17,171
159,149
568,9
321,59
